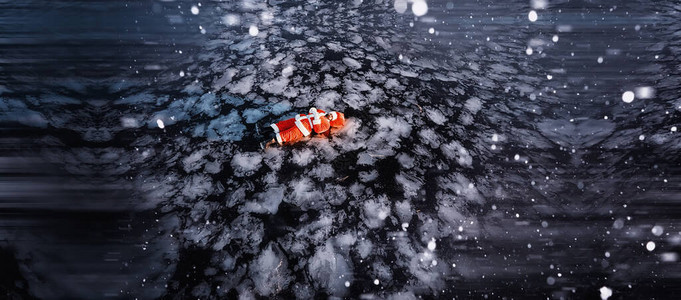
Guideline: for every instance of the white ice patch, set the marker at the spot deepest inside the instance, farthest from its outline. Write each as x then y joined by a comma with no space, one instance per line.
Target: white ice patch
303,157
436,116
322,171
352,63
194,161
364,248
253,115
330,270
473,105
327,99
246,163
269,272
287,71
160,124
268,201
304,194
346,240
404,211
375,212
275,86
455,151
244,85
410,184
227,127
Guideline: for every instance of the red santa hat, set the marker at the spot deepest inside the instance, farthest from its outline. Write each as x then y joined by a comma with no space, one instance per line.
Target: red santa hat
337,119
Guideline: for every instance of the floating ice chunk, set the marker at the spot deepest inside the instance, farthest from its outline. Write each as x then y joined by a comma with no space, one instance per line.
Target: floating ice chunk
644,92
532,16
657,230
365,176
243,86
327,99
606,292
269,272
322,171
253,30
410,184
303,157
650,246
194,161
376,282
195,10
419,8
352,63
287,71
641,137
207,105
303,194
347,239
252,115
245,163
430,137
227,127
454,150
160,124
599,59
364,248
197,186
268,201
275,86
555,38
375,212
674,129
529,51
473,105
436,116
330,270
404,211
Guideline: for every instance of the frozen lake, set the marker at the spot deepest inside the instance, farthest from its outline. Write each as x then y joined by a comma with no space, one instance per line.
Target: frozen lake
493,150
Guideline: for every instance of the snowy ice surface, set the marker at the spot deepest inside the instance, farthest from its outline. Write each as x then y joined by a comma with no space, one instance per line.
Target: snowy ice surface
410,193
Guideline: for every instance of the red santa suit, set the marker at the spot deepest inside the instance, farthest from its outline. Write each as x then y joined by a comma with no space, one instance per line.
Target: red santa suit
300,126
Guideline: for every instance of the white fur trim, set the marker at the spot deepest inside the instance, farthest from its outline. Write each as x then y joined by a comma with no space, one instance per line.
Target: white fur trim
334,114
300,125
279,140
275,127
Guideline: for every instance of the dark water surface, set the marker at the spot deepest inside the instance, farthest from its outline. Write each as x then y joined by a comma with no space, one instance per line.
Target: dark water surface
486,155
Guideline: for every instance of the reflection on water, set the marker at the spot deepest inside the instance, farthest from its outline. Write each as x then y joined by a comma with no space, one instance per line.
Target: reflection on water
487,155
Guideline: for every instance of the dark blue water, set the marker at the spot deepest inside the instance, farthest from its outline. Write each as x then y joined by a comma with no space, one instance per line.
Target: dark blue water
486,155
